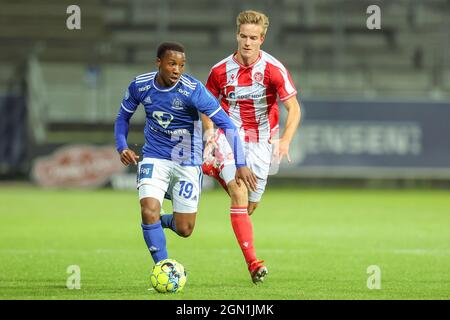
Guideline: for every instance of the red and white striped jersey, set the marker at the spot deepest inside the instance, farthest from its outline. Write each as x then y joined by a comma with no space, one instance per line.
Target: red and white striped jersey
249,93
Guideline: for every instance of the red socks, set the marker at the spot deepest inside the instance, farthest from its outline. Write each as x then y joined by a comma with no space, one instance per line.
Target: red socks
243,229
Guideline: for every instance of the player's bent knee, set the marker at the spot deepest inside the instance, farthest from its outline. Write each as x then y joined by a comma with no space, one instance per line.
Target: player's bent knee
184,224
185,230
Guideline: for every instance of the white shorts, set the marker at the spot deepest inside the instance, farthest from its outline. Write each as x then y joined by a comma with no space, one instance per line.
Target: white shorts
258,156
156,177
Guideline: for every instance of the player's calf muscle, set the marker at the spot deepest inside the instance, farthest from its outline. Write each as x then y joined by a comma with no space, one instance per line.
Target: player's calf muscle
238,194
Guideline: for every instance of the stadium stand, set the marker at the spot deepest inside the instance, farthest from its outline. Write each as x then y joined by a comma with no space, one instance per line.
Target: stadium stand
325,44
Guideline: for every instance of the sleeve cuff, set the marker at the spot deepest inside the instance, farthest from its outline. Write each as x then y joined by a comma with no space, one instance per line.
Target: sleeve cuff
288,96
241,165
120,149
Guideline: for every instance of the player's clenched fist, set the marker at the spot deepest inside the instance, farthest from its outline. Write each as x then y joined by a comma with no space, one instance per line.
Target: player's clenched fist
128,157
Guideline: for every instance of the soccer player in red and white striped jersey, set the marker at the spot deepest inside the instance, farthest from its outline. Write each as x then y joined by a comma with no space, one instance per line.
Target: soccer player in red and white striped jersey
248,84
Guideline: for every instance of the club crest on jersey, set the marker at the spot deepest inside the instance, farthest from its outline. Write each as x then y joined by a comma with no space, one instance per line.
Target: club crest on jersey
127,94
163,118
258,76
177,104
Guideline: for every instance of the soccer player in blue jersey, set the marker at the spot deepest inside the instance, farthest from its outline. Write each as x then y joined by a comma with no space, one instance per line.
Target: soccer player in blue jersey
172,153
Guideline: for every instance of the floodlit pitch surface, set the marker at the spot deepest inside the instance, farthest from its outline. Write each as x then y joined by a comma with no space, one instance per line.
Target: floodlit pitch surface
318,244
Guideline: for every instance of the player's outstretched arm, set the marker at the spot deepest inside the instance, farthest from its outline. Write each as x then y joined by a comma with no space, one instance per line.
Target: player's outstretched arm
127,156
243,173
208,126
128,106
281,146
208,132
209,106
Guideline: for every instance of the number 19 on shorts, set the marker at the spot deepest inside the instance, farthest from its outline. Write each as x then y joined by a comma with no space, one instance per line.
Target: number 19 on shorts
186,189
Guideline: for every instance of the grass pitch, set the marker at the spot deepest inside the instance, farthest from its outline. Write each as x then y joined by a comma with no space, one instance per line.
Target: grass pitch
318,244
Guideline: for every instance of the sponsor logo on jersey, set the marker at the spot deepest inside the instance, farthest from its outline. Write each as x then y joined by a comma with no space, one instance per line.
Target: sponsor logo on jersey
183,92
148,100
163,118
141,89
232,95
177,104
176,132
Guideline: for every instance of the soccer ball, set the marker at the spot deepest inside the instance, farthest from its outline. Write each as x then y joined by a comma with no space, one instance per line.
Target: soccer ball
168,276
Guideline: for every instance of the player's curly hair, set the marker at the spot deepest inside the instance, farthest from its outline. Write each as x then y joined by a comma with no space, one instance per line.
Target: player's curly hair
166,46
253,17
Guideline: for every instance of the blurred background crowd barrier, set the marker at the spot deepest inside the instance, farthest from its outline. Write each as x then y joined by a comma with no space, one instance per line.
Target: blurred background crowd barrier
376,103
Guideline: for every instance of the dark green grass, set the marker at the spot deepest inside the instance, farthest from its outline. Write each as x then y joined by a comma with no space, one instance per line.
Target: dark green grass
317,245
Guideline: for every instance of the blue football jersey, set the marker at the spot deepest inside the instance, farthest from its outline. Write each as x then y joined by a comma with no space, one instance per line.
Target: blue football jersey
173,128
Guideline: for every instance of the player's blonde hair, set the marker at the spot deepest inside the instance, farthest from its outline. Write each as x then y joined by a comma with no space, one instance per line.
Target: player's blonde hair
253,17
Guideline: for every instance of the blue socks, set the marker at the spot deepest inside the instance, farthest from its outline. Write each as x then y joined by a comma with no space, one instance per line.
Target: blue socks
156,240
167,221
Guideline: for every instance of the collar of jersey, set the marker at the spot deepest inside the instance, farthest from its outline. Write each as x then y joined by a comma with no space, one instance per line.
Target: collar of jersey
244,66
163,90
